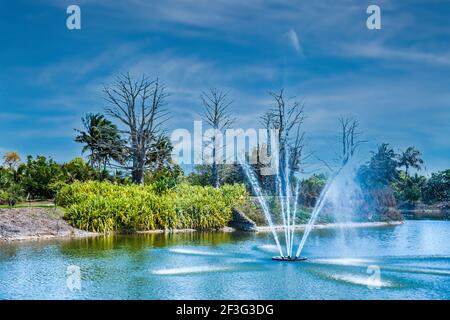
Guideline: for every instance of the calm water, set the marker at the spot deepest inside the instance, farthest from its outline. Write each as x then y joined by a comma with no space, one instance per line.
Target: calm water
413,262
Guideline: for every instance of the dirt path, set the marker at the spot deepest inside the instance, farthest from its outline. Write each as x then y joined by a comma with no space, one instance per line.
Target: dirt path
35,223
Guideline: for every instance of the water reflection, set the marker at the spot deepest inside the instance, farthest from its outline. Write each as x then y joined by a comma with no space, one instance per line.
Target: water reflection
414,261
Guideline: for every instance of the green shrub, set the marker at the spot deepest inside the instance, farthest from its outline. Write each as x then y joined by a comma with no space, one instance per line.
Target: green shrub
103,206
164,179
408,188
38,175
11,190
4,197
437,188
79,170
311,188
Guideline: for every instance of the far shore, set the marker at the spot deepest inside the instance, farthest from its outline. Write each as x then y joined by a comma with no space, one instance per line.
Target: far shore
368,224
31,224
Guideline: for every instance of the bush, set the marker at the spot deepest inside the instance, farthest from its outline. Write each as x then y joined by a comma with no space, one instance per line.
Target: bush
10,189
437,188
383,205
253,211
164,179
103,206
311,188
7,198
409,189
78,170
38,175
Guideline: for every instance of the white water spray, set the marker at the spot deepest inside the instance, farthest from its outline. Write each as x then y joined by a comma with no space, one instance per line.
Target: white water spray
288,214
318,207
257,190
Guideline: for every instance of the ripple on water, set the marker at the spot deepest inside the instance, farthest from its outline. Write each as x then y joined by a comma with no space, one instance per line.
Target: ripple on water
362,280
267,248
194,252
388,265
354,262
190,270
430,271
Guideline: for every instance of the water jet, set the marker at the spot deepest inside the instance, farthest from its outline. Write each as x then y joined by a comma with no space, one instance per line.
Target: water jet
288,201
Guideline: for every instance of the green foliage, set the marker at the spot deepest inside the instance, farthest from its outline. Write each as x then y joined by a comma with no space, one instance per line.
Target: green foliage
10,188
438,187
253,210
411,158
164,179
381,170
159,156
41,177
228,174
4,197
9,198
78,170
11,191
382,173
38,175
102,139
311,188
408,188
233,194
103,206
201,176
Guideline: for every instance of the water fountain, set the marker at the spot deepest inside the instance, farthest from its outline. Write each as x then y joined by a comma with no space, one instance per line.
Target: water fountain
288,203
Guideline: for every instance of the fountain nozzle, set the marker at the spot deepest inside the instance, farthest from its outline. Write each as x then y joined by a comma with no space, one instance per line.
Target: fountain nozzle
288,258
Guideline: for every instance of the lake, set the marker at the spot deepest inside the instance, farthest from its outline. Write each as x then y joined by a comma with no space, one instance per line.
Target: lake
409,261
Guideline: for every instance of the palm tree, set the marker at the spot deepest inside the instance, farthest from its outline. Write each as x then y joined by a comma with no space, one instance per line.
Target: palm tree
160,154
101,137
381,169
411,158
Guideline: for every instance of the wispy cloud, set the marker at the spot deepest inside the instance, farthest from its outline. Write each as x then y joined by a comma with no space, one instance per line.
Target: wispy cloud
294,41
389,79
380,51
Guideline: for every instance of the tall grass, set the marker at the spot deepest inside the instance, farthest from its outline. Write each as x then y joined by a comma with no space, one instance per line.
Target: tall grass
103,206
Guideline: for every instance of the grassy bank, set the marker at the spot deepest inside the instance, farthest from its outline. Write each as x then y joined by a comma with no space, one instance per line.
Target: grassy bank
103,206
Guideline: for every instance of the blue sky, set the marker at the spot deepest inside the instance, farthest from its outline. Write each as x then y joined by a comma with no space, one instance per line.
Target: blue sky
395,81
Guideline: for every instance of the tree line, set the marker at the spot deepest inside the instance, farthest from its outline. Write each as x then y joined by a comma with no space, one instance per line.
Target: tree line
128,143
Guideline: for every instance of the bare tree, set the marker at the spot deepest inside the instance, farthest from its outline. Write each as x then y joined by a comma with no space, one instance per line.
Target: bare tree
287,117
350,138
266,121
216,113
139,106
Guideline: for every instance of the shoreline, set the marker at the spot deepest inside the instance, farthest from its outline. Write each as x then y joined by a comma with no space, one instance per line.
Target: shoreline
80,234
36,224
374,224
